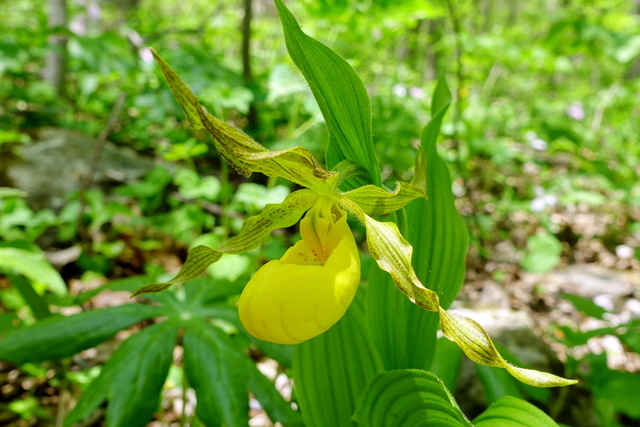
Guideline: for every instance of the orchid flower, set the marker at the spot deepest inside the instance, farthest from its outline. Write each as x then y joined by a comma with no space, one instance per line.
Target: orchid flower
308,290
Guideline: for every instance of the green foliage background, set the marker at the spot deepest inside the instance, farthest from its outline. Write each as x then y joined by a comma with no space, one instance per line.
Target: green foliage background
544,126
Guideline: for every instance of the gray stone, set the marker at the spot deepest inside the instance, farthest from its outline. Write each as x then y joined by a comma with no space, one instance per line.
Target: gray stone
592,281
57,162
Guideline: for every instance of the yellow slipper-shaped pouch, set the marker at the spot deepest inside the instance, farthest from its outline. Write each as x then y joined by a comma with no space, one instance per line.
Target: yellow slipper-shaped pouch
308,290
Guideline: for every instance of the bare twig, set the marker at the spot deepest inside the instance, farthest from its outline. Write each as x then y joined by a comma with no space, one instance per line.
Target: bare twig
247,74
209,207
93,166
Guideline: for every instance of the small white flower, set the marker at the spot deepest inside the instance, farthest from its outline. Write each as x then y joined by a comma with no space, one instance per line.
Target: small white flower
575,111
416,92
539,144
400,90
625,251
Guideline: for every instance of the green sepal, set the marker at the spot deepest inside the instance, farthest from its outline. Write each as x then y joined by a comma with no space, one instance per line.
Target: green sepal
477,346
393,255
255,231
240,150
408,398
375,201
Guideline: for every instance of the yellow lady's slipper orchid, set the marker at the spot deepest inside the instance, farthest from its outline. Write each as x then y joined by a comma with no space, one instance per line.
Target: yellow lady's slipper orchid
308,290
305,292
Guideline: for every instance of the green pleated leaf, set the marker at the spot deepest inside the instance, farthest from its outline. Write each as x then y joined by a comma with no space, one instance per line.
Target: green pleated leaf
497,383
57,337
133,377
393,255
437,232
341,96
331,370
255,231
446,363
439,240
510,411
30,262
376,201
408,398
218,373
404,334
136,388
240,150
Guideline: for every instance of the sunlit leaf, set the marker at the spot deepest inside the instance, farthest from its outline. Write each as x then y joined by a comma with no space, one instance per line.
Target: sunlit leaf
7,192
331,370
31,262
36,303
543,253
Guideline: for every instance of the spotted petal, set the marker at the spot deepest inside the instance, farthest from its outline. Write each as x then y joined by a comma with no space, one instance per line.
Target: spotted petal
240,150
255,231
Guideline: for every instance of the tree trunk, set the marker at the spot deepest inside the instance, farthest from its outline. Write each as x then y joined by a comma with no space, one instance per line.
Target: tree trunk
56,65
252,116
634,70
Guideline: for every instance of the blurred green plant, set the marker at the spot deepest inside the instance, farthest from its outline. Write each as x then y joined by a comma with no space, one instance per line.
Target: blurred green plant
613,390
572,146
209,331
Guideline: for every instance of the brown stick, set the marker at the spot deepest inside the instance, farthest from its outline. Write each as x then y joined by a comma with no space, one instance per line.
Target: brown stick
93,166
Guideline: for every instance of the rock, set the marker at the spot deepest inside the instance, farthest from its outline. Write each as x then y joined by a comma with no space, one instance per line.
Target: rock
57,162
592,281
